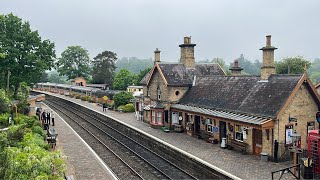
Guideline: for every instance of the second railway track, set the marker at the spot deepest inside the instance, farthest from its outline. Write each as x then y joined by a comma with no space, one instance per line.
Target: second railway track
127,158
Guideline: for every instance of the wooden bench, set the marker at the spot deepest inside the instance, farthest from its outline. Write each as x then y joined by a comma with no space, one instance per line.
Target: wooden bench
52,138
238,145
204,135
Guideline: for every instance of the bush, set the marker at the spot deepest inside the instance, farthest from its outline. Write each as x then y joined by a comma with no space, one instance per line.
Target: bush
83,98
38,130
110,104
122,98
77,96
126,108
120,108
129,108
4,119
4,102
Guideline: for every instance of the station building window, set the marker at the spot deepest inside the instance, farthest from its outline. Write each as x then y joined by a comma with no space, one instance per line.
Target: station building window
239,133
159,93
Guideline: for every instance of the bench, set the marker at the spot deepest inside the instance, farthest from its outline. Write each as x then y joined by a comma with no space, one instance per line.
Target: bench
238,145
204,135
52,138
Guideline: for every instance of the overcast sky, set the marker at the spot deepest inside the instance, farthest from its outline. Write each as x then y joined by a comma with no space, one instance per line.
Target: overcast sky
224,28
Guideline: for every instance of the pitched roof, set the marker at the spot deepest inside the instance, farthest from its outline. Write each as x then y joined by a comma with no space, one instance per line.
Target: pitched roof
176,74
244,94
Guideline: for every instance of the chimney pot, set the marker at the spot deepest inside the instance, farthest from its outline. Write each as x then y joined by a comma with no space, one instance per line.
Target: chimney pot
268,38
157,55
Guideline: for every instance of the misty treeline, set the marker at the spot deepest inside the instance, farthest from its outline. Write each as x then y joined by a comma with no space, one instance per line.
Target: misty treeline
288,65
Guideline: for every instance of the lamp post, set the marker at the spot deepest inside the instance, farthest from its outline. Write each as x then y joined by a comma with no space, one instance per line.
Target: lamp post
295,138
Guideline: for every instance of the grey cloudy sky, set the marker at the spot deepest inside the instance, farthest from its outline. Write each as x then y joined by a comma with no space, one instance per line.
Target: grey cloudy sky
224,28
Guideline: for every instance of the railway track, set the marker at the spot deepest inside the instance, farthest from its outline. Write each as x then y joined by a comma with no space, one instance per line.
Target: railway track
127,158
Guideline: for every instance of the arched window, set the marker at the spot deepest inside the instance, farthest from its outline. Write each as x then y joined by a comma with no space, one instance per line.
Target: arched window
159,93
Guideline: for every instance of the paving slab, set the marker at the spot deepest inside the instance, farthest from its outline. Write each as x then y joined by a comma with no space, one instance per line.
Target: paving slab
82,162
229,161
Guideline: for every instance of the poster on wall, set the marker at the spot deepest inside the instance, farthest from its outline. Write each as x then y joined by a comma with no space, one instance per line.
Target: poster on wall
289,131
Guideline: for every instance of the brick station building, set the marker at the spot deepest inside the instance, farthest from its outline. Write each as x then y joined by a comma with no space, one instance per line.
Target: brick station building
318,88
254,110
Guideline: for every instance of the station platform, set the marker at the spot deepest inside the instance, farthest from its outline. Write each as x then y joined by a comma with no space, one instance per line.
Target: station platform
230,162
81,160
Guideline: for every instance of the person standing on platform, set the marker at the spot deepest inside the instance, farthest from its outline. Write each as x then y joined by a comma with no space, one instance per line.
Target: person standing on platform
48,118
52,117
43,117
104,107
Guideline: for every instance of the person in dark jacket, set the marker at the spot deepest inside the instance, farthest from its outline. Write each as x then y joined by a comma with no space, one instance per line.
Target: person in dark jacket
43,117
48,118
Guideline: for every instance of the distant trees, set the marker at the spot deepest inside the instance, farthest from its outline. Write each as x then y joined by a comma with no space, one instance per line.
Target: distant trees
54,77
123,79
74,62
104,67
292,65
23,52
133,64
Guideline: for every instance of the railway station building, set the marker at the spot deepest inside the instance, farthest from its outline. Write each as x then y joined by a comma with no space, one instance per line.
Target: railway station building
254,110
318,87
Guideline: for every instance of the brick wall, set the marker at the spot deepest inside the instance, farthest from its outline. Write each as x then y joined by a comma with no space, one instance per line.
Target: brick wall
303,107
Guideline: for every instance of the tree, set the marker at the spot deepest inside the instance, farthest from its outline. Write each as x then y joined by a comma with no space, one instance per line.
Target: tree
54,77
249,67
292,65
123,79
104,67
122,98
141,75
4,102
74,62
23,53
133,64
314,71
44,77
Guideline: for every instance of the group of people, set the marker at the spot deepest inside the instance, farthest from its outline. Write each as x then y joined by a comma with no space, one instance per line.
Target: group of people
46,117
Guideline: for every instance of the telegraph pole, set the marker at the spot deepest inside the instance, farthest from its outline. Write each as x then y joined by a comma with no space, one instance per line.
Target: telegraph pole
9,73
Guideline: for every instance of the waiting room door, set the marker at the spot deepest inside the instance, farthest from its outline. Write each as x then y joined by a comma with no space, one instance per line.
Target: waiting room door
257,142
197,125
223,130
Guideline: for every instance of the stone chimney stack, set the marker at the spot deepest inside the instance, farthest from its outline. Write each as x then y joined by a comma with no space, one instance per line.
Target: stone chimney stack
236,70
187,53
157,55
268,66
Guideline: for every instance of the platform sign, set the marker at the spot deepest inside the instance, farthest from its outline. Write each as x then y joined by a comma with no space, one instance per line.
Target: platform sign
289,131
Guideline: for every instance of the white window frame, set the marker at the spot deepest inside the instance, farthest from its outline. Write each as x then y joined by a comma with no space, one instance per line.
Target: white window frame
239,130
153,115
159,118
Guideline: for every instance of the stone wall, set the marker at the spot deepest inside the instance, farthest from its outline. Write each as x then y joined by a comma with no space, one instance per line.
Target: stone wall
303,107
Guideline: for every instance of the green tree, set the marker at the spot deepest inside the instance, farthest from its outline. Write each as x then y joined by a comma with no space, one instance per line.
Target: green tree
314,71
292,65
123,79
104,67
133,64
74,62
122,98
24,54
54,77
4,102
141,75
248,66
44,77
